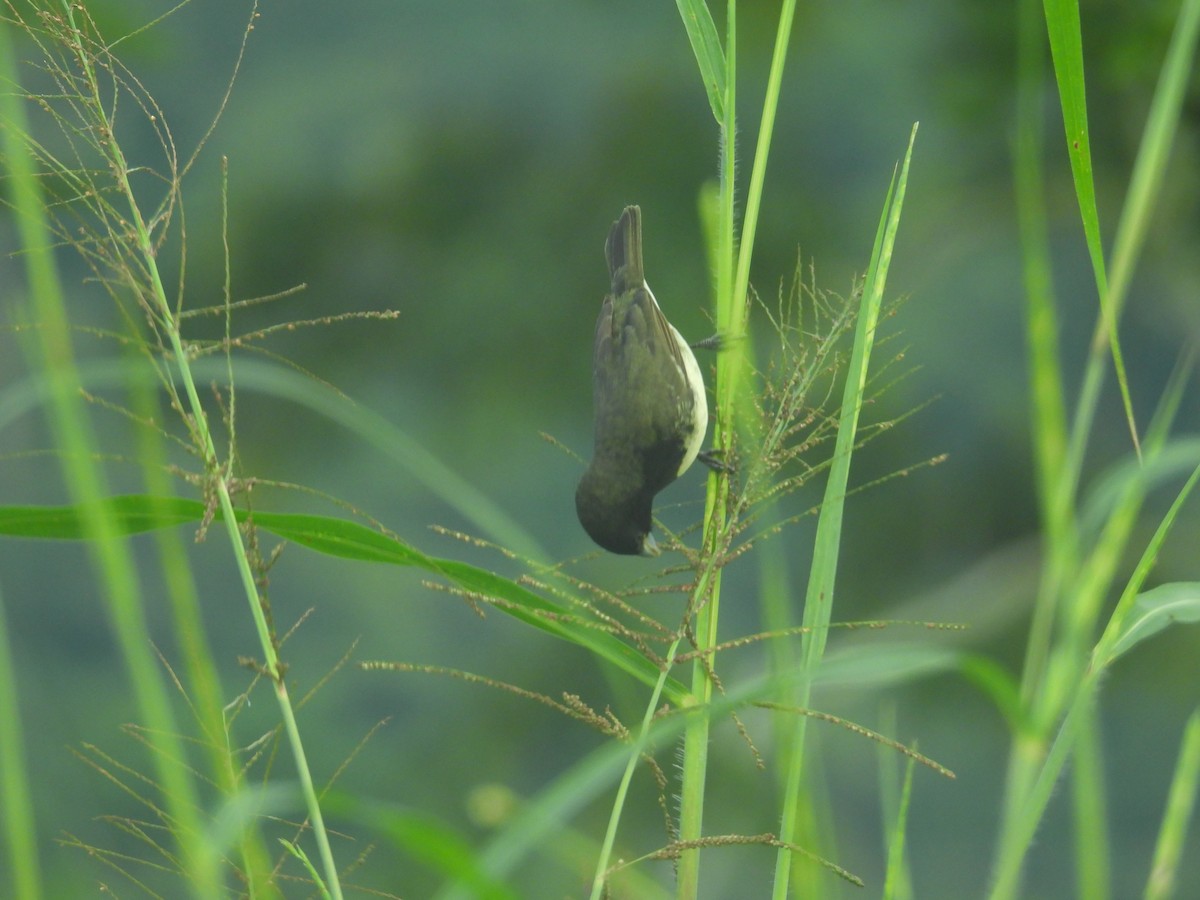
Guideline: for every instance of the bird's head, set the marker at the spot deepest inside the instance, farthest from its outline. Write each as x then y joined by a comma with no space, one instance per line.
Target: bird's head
615,516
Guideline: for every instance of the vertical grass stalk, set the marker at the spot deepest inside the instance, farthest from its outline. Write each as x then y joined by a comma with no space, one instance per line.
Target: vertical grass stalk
1181,800
20,827
696,735
216,472
818,600
86,484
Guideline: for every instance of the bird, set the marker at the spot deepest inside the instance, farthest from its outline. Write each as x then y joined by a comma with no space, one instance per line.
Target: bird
650,405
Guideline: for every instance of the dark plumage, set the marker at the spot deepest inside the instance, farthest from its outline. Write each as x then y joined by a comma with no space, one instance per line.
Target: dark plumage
651,412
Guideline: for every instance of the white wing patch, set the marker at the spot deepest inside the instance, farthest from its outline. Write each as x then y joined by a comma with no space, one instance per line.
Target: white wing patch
699,401
695,380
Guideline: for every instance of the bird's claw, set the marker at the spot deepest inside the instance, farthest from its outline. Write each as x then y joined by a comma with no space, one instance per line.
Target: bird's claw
712,459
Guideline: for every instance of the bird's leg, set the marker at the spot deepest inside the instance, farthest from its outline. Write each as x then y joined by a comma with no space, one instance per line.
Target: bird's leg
712,459
715,342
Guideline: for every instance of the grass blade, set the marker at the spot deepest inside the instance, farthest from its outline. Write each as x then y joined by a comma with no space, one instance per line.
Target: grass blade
425,838
702,33
1153,611
1048,414
135,514
1181,800
897,883
818,601
1066,49
110,555
19,825
1018,834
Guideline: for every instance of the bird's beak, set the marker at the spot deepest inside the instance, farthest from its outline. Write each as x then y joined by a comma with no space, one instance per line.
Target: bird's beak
649,547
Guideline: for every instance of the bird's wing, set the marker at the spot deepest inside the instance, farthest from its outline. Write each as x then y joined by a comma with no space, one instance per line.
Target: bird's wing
602,347
642,378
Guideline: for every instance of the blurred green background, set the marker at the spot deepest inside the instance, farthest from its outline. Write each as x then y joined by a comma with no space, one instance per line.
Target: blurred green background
461,163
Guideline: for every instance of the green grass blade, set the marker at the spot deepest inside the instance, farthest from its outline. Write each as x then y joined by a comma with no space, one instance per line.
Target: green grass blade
424,838
1154,610
897,883
1066,49
570,793
1181,800
199,675
442,481
730,318
998,685
85,480
134,514
1176,459
1049,415
758,169
20,828
564,798
130,515
286,384
1091,584
1118,623
297,853
1047,406
878,664
818,601
702,33
1089,800
1017,835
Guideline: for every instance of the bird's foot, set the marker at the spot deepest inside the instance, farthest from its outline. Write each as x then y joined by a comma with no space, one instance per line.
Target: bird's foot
716,342
712,459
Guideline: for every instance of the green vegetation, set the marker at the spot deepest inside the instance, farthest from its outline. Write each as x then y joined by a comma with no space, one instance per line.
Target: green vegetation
710,689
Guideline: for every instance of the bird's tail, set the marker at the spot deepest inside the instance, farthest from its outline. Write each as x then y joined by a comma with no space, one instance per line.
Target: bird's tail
623,250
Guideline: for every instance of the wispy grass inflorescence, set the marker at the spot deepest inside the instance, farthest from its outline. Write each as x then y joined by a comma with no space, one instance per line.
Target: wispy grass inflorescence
84,177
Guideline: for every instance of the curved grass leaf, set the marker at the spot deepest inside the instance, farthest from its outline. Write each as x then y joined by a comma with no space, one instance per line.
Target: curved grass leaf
425,838
136,514
702,33
1177,457
1153,611
883,664
1066,50
130,514
998,685
283,383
